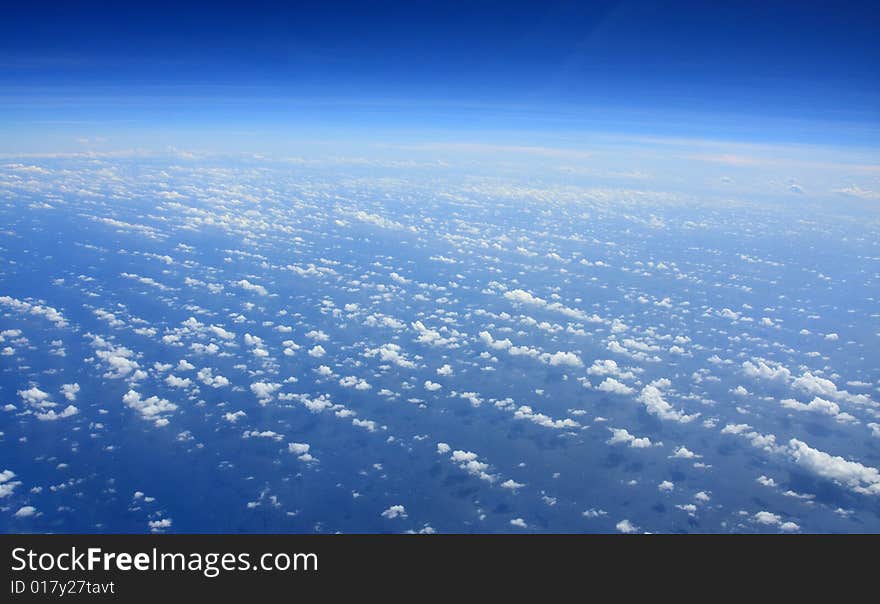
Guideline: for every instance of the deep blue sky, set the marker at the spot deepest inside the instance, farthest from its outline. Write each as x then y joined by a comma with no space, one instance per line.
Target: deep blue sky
780,71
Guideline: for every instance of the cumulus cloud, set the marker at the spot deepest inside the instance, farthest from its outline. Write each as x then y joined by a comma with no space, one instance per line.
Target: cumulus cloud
764,369
51,415
70,391
470,462
652,398
35,397
684,453
622,436
850,474
395,511
770,519
177,382
264,391
26,511
818,405
252,287
152,408
233,417
391,353
609,367
527,413
613,386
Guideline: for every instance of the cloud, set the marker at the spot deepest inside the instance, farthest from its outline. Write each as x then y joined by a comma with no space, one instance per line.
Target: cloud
157,526
391,353
526,412
652,398
622,436
7,484
613,386
368,424
770,519
354,382
221,332
252,287
856,191
262,434
471,463
176,382
767,370
49,313
301,450
851,474
50,415
395,511
264,391
609,367
818,405
152,408
209,379
684,453
70,391
26,511
35,397
234,417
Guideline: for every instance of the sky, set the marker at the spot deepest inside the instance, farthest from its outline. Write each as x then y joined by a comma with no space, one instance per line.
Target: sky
483,266
218,74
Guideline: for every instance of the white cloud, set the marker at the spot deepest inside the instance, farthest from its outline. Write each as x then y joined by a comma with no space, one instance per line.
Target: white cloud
70,391
390,353
264,391
395,511
26,511
50,415
622,436
152,408
248,286
652,398
851,474
767,370
684,453
610,367
613,386
234,417
209,379
176,382
445,370
526,412
301,450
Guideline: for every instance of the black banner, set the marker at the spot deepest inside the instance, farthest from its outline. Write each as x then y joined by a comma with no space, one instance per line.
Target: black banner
135,567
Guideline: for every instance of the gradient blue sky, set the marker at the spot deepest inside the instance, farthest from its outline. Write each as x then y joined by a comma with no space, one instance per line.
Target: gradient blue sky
213,73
